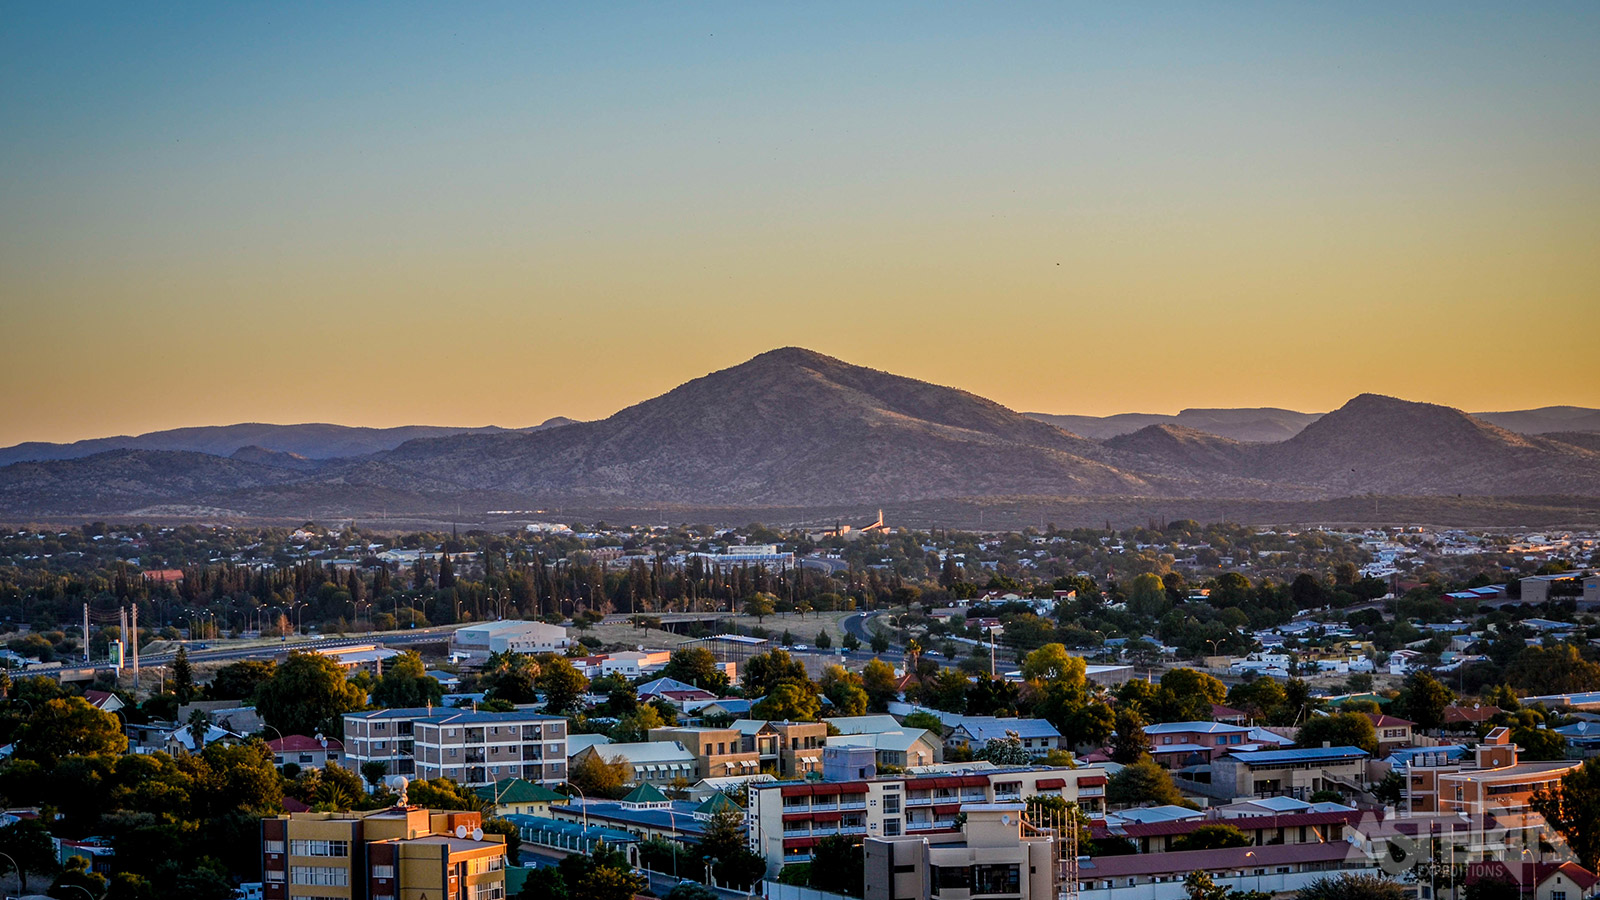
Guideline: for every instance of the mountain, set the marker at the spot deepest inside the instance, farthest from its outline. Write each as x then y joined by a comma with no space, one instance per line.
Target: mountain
1546,419
313,441
1381,445
1262,424
788,427
795,429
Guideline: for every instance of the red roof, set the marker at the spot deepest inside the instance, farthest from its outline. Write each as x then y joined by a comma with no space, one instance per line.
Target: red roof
97,699
297,743
290,804
1380,720
1470,715
1530,874
164,576
1218,711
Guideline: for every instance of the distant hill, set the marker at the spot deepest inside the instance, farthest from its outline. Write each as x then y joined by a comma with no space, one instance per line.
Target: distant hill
312,441
1546,419
1263,424
795,429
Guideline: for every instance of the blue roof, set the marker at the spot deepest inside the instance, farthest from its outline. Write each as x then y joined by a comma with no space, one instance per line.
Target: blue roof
985,728
681,817
1303,754
532,828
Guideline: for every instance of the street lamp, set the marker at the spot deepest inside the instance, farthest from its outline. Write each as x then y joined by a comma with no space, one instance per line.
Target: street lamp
585,799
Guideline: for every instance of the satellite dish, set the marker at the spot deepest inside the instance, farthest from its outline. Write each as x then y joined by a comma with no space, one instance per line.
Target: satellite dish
477,834
1005,819
461,831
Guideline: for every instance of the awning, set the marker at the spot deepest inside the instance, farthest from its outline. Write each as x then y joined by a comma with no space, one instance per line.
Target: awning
796,790
1092,781
827,816
1046,784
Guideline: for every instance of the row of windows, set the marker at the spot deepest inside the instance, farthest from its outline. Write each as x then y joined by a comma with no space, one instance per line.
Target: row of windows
332,876
319,848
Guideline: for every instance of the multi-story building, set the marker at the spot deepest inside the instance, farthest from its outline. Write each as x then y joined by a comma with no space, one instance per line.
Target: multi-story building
479,748
474,748
788,749
399,853
1177,745
653,762
1491,780
991,855
1394,733
1295,773
718,752
787,819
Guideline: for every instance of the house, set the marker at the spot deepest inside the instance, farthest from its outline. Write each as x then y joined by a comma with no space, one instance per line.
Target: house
791,749
672,691
519,796
1038,736
901,748
305,752
182,739
653,762
1394,733
1539,880
1178,745
104,700
717,751
1468,718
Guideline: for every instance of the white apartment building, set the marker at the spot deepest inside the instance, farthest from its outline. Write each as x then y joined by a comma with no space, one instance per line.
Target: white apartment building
473,748
513,635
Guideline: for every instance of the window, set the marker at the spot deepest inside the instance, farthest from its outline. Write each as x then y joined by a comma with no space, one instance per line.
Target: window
891,803
332,876
383,871
891,827
274,846
319,848
996,879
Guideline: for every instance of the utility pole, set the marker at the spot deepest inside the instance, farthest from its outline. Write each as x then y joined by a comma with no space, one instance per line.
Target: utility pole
86,634
133,636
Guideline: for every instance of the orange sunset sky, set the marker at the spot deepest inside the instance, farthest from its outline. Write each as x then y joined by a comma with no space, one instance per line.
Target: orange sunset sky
494,214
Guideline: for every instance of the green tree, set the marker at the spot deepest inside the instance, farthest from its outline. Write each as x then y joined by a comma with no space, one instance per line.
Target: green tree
1572,807
182,675
513,835
1353,887
1143,782
760,605
511,677
764,671
562,684
879,681
596,776
1219,836
880,642
1423,700
1006,751
1052,663
1345,729
1130,744
374,771
843,689
307,694
838,866
789,702
725,845
852,643
947,690
441,793
406,683
697,666
238,681
823,641
1147,596
1539,744
69,727
28,842
635,726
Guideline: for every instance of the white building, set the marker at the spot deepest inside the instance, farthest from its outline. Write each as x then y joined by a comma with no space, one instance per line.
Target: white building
513,635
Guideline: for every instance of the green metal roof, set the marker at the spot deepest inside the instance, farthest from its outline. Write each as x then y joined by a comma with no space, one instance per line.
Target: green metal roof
645,793
716,803
517,790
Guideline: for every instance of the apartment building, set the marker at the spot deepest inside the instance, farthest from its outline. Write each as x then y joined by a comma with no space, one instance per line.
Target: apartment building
1295,773
789,749
474,748
1177,745
481,748
401,853
992,854
787,819
1491,780
718,752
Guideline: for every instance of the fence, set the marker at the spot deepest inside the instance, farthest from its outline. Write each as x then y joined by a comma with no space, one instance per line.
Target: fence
772,890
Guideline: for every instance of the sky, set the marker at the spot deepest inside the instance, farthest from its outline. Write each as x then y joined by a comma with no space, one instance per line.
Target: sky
486,213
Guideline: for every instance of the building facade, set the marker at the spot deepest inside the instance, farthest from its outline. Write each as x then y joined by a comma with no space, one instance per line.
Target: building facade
991,855
401,853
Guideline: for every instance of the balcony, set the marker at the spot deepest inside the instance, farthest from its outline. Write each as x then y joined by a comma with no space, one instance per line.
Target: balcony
918,801
820,806
852,829
853,805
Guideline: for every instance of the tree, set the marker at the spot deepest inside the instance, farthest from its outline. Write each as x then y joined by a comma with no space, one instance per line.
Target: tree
1257,698
28,842
199,727
182,675
1423,700
823,641
1572,807
69,727
1052,663
843,689
513,835
1200,886
852,643
308,693
1130,744
1147,596
1539,744
562,684
374,771
635,727
1143,782
405,682
688,890
878,680
765,671
788,702
838,866
697,666
1353,887
597,776
734,864
947,690
1212,837
880,642
511,677
238,681
441,793
1006,751
1345,729
759,605
1187,695
1500,888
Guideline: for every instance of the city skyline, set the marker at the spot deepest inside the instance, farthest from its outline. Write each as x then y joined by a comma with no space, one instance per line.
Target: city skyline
491,215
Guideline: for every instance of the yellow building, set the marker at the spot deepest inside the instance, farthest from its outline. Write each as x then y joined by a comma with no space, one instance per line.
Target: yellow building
401,853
